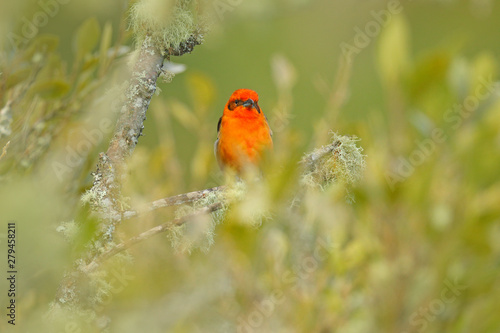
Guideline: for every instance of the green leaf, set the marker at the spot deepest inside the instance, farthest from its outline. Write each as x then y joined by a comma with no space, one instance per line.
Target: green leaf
87,37
17,77
393,49
85,80
107,34
183,115
429,74
202,91
54,89
54,66
90,63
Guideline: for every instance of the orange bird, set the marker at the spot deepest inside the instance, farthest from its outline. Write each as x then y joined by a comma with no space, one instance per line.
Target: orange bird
243,133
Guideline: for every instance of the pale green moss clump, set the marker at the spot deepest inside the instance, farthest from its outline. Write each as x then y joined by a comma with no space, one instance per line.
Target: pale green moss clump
163,23
341,161
93,198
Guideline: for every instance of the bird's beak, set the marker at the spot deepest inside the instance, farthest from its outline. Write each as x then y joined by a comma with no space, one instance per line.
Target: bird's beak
249,102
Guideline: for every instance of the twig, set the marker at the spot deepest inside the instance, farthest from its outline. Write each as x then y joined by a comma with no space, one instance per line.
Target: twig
148,234
313,157
4,150
173,201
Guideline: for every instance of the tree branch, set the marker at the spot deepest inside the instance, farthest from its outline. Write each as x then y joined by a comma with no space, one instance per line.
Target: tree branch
173,201
142,86
148,234
107,177
4,150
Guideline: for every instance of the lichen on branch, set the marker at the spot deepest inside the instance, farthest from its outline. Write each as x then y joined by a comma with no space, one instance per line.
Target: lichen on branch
340,161
168,24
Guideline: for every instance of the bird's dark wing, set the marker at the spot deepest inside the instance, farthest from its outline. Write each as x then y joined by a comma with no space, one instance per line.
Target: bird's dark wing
216,144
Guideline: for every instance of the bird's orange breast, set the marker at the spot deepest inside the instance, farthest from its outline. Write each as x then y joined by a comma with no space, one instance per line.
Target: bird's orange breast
243,139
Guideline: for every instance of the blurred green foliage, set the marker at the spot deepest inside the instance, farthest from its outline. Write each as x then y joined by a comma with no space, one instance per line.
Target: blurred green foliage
418,251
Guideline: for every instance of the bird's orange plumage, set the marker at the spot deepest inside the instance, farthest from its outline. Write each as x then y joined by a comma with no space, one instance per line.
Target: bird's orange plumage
243,132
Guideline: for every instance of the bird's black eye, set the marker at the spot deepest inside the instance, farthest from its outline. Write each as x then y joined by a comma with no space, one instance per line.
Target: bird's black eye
234,104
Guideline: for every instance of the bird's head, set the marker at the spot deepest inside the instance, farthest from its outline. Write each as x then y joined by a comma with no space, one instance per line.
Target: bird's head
243,101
